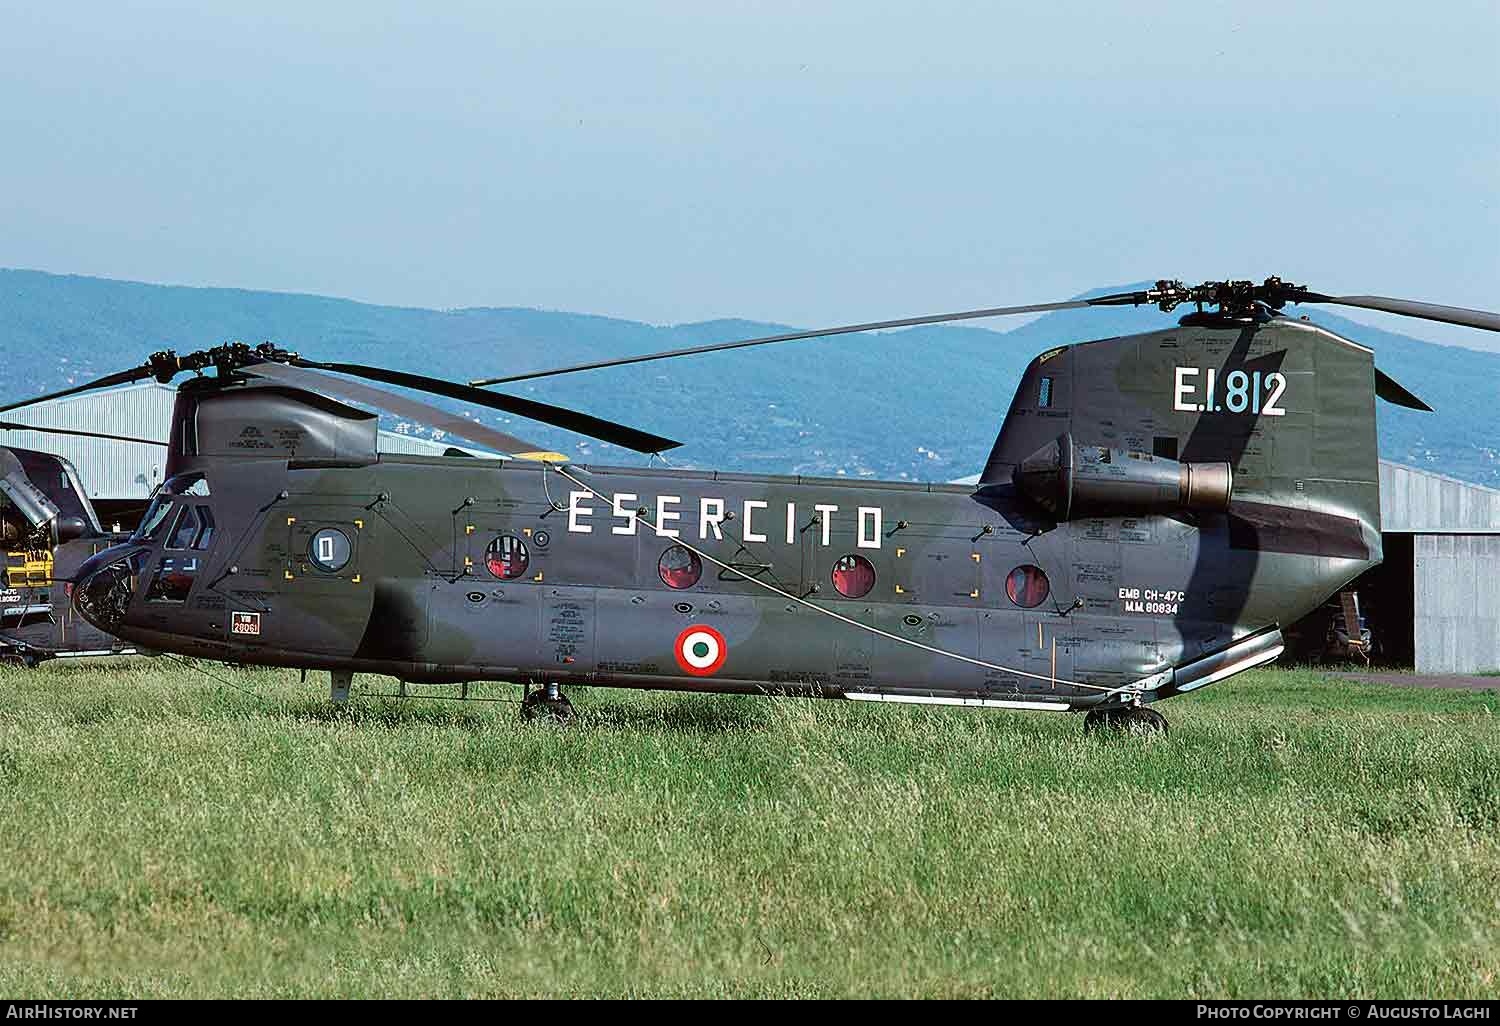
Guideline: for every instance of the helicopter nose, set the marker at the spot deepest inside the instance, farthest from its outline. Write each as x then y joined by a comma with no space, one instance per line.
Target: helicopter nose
104,585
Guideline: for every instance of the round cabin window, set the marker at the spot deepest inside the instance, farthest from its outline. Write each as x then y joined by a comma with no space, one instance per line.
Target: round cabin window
1027,586
853,576
679,567
329,550
507,557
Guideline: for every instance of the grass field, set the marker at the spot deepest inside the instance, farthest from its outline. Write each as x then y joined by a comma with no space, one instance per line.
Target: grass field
163,835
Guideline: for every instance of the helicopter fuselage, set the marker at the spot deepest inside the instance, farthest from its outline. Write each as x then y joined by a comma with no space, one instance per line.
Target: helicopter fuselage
1153,509
452,569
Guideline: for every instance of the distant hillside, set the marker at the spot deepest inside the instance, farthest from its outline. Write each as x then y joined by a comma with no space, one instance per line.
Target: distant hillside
921,404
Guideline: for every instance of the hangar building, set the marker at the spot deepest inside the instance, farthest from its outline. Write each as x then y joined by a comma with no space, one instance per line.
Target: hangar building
1435,601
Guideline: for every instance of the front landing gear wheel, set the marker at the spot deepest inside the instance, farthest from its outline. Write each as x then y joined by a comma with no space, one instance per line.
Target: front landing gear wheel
1135,719
547,703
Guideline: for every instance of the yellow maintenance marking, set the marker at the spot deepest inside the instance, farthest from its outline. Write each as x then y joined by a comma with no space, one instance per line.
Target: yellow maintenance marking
25,569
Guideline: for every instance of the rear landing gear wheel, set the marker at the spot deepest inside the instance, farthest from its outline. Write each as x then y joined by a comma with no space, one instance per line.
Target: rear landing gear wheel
1135,719
547,703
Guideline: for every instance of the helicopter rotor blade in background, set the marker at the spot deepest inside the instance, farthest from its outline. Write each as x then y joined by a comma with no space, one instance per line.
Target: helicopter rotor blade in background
123,377
1234,298
1484,319
1118,299
1166,295
14,425
411,409
557,416
268,361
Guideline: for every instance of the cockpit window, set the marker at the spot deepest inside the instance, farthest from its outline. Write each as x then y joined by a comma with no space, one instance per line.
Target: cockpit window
193,529
185,531
205,539
173,580
187,484
153,521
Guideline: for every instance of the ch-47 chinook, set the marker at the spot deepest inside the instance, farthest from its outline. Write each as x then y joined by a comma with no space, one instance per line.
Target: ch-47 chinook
48,527
1154,508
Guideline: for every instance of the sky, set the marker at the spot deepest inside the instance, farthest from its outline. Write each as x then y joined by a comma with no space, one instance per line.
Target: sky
806,163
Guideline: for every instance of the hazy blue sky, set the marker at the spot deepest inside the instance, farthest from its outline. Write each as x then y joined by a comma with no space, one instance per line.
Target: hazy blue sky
800,162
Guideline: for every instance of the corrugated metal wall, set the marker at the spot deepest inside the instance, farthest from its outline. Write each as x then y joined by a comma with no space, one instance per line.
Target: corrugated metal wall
1414,500
110,470
128,470
1457,591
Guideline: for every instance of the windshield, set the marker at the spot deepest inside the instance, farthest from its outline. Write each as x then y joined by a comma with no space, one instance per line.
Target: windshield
151,523
187,484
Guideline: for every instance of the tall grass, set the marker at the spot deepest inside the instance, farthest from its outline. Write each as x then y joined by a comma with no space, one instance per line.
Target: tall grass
164,835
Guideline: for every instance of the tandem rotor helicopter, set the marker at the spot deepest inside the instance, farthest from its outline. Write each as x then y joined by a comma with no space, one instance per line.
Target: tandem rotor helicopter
1154,509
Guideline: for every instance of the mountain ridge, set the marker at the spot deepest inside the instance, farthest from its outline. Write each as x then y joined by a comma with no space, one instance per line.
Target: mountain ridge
921,403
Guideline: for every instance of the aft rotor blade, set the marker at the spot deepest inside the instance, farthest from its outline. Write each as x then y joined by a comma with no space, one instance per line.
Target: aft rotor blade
1485,319
1392,391
14,425
411,409
1118,299
557,416
123,377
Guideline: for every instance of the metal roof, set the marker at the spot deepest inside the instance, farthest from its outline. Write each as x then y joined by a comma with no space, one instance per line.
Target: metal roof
130,470
1416,501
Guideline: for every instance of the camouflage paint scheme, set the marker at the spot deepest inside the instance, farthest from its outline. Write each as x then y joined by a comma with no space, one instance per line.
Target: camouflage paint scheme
1132,594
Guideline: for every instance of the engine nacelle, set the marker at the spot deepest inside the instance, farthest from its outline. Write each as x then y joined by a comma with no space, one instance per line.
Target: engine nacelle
1072,481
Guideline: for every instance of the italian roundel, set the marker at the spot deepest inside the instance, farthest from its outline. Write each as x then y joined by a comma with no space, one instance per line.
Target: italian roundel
701,651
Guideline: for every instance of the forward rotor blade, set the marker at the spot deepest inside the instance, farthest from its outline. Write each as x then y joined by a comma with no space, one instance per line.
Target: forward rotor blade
123,377
1410,308
572,420
1118,299
411,409
14,425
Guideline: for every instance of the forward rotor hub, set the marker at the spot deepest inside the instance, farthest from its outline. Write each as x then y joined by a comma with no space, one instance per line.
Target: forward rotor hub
226,359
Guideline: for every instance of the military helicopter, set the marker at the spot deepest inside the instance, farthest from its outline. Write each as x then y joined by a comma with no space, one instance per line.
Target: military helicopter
1154,509
48,527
